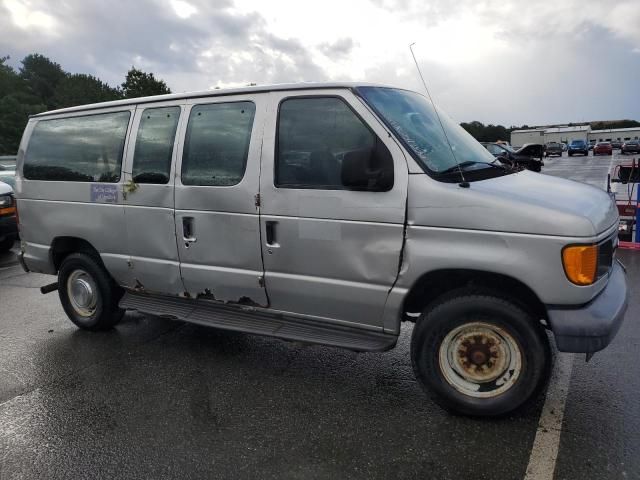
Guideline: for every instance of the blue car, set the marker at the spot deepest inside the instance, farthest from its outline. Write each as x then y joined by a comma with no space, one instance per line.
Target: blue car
578,146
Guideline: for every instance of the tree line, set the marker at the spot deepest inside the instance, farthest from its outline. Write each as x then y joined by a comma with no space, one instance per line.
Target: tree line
41,84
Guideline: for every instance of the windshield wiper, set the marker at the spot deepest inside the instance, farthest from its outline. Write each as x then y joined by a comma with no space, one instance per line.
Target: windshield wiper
462,166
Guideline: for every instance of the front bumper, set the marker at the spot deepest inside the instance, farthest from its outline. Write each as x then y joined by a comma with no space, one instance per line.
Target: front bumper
8,228
591,327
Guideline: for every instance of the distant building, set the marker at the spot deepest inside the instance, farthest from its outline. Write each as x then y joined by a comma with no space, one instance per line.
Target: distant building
522,137
564,134
615,134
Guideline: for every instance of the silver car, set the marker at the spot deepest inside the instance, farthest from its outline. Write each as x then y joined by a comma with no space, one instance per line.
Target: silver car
326,213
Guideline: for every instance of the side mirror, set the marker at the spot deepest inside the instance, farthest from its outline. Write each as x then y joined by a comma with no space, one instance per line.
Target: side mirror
368,169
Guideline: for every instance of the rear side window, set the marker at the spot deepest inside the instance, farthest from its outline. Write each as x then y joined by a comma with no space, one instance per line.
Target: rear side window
217,143
154,145
323,144
77,149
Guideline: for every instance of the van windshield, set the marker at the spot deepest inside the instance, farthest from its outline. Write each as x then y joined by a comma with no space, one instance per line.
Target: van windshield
413,119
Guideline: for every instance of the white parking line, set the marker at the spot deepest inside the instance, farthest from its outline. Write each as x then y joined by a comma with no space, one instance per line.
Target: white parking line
544,454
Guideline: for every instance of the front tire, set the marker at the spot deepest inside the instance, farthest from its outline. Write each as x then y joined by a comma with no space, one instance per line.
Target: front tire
478,354
88,294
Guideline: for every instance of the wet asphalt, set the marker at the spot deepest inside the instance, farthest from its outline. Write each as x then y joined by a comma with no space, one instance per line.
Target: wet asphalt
156,398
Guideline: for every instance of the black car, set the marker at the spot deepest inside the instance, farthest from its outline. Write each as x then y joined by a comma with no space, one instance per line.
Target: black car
529,156
8,222
578,146
616,144
553,148
630,146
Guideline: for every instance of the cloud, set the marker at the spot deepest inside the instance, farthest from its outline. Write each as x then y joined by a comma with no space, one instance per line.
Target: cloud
499,61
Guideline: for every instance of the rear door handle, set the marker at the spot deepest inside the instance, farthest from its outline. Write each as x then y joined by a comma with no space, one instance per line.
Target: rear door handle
188,231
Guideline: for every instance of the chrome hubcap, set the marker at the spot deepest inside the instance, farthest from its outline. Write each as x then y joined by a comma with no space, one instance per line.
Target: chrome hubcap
83,293
480,359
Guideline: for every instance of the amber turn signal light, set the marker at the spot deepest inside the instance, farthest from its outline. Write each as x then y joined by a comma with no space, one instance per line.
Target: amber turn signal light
580,263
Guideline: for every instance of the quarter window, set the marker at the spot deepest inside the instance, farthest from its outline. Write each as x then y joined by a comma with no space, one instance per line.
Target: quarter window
323,144
217,143
154,145
77,149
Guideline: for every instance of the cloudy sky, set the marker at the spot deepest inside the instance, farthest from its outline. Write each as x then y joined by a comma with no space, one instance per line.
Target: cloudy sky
504,61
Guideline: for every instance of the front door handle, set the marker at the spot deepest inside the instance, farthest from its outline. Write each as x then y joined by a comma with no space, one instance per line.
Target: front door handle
188,231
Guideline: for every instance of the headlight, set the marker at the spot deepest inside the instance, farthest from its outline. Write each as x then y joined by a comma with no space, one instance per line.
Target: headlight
7,205
580,263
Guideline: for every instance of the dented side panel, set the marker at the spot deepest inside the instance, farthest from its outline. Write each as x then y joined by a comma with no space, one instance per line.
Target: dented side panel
149,220
337,251
222,259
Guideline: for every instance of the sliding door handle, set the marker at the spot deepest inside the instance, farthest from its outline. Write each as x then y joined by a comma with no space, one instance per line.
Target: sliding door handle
272,239
188,231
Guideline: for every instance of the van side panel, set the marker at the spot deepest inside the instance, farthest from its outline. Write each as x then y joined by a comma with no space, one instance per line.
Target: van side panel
90,211
149,209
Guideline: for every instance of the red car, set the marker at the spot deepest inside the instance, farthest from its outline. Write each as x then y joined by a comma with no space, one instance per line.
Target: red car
603,148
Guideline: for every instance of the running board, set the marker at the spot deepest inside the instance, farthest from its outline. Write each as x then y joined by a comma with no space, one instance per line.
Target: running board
258,321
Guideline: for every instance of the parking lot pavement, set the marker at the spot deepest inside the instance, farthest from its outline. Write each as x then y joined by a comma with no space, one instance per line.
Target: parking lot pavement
156,398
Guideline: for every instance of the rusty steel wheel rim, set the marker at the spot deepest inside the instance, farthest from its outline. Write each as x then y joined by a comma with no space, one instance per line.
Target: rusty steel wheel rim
480,359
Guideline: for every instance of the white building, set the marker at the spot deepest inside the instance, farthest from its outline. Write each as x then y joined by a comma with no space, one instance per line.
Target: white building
522,137
615,134
552,134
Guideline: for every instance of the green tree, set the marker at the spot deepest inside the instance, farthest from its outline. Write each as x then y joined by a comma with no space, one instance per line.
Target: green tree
42,76
80,89
16,104
142,84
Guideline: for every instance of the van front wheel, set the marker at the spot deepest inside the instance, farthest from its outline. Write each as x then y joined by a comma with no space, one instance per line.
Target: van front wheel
479,354
88,294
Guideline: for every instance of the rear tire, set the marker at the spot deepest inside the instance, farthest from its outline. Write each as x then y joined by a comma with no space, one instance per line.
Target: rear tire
478,354
88,294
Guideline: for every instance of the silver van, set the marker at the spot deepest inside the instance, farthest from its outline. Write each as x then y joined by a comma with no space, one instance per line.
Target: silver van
324,213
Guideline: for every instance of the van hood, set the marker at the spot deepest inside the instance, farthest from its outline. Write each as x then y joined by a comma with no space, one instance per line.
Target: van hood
524,202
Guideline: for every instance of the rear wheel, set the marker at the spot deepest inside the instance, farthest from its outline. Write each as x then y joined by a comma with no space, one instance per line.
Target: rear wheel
88,294
479,354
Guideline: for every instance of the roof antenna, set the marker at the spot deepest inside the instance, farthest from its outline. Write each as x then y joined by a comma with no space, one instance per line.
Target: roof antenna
464,183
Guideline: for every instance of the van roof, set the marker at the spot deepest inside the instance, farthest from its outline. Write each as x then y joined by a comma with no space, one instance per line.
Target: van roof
212,93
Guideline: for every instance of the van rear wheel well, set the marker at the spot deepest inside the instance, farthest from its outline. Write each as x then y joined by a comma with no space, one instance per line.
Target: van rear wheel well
433,285
61,247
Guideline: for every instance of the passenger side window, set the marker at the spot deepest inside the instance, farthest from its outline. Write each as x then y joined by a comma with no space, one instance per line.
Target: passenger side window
86,148
217,143
323,144
154,145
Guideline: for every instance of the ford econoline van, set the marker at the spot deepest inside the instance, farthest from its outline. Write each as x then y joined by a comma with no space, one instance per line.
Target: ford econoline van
324,213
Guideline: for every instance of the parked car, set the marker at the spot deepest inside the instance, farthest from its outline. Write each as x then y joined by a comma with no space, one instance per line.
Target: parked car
616,144
578,146
602,148
325,213
8,223
564,146
553,148
529,156
630,146
592,144
8,177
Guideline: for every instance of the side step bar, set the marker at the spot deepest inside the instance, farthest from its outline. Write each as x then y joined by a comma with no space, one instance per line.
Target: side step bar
258,321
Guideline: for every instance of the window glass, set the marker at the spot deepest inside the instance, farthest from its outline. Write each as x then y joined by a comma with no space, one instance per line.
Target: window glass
217,143
434,139
77,149
154,145
323,144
